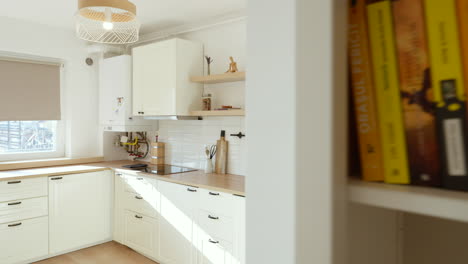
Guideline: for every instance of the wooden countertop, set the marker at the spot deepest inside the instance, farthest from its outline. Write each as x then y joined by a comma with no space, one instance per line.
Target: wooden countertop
219,182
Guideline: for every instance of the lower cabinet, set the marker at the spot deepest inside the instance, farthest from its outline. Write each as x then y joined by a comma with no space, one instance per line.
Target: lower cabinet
214,251
80,208
141,233
178,224
24,240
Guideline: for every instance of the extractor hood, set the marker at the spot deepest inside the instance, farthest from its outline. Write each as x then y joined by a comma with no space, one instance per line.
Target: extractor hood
173,117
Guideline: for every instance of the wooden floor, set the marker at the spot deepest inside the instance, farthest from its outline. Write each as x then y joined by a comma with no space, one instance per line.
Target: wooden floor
111,252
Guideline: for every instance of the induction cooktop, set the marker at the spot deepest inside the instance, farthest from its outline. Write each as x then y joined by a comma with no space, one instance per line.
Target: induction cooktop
159,169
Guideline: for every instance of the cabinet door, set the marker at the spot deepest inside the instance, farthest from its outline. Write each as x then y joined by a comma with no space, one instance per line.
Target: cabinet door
154,78
214,251
24,240
239,238
141,233
176,223
115,90
79,210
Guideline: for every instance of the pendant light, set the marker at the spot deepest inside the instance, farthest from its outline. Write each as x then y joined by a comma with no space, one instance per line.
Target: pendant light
107,21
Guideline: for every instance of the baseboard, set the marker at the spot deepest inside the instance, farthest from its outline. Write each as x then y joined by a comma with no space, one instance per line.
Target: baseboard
65,252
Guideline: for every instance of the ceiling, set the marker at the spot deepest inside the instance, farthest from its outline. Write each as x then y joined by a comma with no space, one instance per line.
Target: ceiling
153,14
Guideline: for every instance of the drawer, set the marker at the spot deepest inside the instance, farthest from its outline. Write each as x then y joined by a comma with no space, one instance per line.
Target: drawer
24,240
141,233
138,185
147,204
217,202
23,189
216,226
23,209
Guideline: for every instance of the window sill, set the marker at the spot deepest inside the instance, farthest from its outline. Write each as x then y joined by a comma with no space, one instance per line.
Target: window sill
26,164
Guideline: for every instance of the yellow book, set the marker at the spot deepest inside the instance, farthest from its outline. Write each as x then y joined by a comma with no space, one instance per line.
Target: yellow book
364,93
386,81
449,91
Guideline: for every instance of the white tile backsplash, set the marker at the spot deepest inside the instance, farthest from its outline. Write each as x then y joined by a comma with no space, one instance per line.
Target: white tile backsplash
186,139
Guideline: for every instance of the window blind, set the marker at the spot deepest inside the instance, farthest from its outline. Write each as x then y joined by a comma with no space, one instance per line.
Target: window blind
29,91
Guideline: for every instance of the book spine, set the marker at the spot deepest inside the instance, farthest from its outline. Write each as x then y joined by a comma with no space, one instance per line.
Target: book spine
462,15
415,91
387,88
365,108
449,92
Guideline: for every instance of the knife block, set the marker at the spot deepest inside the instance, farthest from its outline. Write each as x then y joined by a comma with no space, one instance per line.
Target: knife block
158,150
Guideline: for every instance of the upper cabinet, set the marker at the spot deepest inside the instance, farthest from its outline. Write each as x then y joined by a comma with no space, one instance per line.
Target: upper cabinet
115,93
161,78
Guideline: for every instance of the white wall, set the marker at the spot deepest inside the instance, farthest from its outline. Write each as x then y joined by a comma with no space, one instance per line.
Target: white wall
80,90
296,101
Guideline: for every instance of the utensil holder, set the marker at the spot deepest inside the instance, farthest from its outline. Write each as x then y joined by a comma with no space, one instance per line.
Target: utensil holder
209,166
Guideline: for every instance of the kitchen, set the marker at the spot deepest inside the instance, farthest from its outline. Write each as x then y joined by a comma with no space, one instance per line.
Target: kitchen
165,132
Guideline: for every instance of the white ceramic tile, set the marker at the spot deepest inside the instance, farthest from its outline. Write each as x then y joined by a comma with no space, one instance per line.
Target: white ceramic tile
186,140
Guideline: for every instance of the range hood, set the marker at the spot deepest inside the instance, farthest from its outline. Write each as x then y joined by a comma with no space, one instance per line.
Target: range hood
175,117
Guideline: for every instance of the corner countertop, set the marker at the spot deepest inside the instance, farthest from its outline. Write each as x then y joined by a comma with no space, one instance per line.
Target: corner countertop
228,183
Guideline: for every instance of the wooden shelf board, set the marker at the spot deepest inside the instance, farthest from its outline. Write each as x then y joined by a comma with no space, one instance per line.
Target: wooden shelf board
239,112
219,78
452,205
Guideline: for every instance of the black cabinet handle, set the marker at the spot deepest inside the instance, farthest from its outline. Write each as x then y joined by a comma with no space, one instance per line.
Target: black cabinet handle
138,216
14,182
15,203
191,190
213,217
214,194
138,197
140,179
212,241
56,178
13,225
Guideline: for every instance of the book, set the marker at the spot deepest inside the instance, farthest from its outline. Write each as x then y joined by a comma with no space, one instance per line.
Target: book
462,15
363,93
386,81
416,92
449,92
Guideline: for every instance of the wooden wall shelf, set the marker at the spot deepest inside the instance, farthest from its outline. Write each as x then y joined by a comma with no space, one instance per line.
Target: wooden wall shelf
239,112
447,204
219,78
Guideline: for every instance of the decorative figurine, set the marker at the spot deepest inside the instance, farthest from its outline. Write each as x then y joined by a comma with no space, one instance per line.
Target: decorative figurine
209,60
232,66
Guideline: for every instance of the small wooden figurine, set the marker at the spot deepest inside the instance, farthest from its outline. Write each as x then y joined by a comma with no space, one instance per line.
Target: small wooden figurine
209,60
232,66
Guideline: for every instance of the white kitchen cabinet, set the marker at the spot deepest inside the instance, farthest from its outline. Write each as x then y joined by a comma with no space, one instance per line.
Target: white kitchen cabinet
141,233
214,250
20,189
79,210
176,225
115,96
24,240
161,78
239,230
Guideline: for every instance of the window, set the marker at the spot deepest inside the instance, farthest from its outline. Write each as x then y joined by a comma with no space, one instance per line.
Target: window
21,140
27,136
30,108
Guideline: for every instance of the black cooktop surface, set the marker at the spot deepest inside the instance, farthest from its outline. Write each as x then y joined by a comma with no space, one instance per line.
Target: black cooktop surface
160,169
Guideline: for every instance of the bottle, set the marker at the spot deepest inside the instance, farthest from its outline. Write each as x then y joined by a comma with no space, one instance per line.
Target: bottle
221,154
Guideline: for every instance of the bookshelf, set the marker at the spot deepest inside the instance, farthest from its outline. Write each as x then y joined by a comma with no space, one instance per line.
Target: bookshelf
219,78
447,204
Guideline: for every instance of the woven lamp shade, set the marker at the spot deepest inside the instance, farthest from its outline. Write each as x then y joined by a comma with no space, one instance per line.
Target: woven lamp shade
107,21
